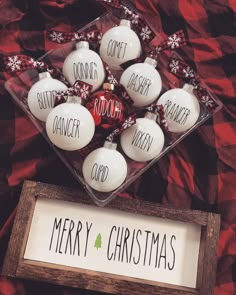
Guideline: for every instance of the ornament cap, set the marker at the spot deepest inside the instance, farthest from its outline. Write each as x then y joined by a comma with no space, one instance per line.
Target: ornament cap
110,145
151,61
82,44
189,88
125,23
151,116
108,87
74,99
44,75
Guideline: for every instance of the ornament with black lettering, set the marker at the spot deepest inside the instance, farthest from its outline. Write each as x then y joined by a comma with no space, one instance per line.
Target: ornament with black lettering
120,44
139,24
70,126
41,97
107,109
181,108
85,65
143,141
105,169
142,82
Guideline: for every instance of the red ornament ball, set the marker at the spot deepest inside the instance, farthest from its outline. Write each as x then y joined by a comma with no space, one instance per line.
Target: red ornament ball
107,109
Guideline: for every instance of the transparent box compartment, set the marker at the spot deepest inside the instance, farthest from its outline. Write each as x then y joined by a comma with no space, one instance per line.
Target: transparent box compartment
19,87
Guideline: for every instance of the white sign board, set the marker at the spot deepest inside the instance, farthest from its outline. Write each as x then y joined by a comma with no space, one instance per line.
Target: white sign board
115,242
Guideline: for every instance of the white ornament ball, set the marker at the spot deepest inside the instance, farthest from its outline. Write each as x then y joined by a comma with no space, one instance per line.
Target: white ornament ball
120,44
104,169
70,126
143,141
41,97
85,65
181,108
142,82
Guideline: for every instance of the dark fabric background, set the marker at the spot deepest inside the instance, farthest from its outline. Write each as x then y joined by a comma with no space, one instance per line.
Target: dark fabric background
198,174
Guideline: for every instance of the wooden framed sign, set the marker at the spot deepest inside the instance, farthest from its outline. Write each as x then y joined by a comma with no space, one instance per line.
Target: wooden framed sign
131,246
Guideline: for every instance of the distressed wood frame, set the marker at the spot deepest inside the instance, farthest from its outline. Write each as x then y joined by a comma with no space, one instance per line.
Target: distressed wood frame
16,266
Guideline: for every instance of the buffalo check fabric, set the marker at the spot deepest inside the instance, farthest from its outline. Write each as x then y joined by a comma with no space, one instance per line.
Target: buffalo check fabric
199,173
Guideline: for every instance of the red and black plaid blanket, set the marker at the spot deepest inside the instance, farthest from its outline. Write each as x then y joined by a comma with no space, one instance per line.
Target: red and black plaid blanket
200,173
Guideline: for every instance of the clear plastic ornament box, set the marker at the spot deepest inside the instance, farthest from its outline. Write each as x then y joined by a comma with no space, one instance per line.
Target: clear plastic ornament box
19,87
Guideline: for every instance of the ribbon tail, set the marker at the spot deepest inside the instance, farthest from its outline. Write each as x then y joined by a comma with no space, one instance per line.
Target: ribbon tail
20,63
121,92
159,110
62,37
112,3
172,42
181,69
205,99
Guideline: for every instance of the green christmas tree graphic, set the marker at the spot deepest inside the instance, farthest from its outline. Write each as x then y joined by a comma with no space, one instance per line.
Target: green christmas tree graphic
98,242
